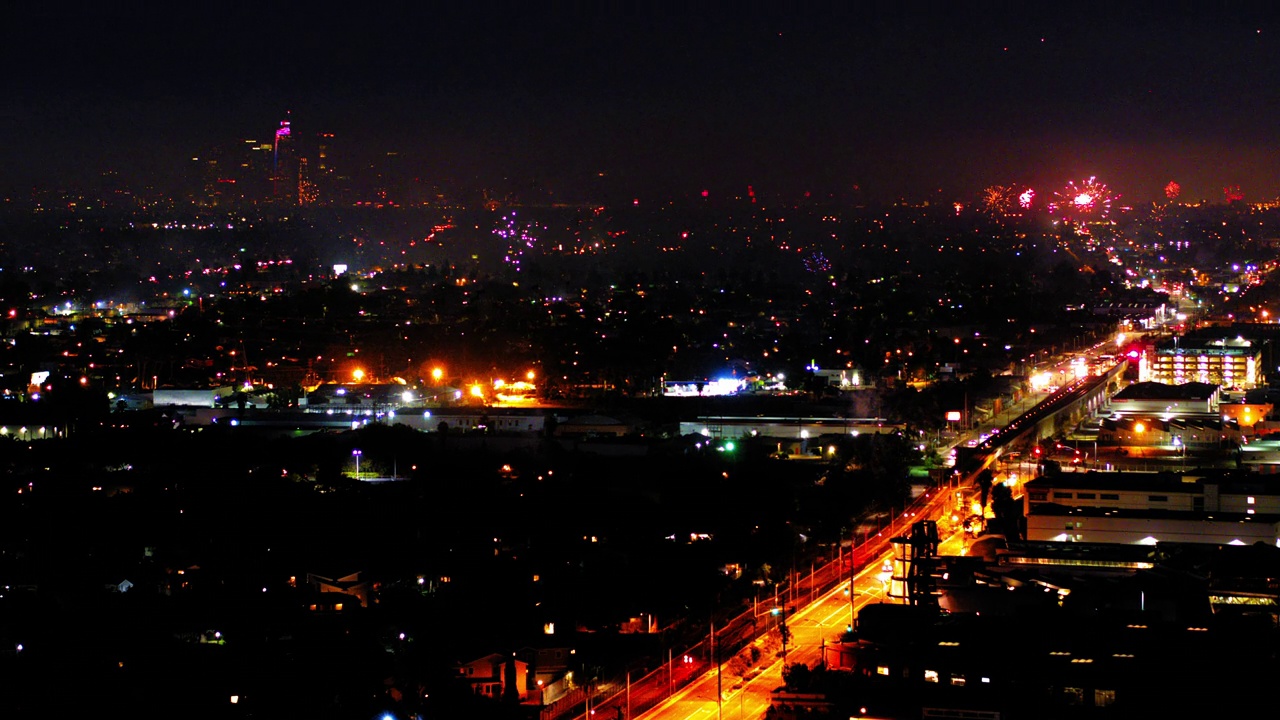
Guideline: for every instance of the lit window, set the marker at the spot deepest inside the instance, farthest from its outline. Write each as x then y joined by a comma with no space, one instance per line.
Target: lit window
931,676
882,669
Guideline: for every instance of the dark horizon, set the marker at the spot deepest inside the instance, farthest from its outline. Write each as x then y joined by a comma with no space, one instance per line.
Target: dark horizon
917,102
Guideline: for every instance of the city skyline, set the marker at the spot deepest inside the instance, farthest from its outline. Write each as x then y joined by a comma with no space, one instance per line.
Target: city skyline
876,102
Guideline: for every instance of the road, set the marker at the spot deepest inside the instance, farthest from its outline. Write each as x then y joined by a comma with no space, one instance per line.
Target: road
730,691
812,626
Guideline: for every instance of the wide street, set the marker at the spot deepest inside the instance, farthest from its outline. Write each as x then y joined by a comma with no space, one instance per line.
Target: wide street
812,624
733,692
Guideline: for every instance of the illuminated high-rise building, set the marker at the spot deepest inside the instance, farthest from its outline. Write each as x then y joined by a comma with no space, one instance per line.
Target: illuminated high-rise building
323,177
322,152
234,175
307,194
284,166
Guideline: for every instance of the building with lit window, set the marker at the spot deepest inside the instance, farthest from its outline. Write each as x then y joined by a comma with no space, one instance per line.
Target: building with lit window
1222,507
1230,363
1178,418
1162,400
284,166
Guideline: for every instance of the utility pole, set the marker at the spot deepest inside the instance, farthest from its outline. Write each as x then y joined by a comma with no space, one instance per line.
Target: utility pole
671,671
853,570
785,632
715,657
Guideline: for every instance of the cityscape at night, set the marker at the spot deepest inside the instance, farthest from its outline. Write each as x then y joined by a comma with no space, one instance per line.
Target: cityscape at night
652,363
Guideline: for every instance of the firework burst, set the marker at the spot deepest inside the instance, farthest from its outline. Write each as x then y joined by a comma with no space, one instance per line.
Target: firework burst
818,263
998,199
1172,190
518,236
1087,200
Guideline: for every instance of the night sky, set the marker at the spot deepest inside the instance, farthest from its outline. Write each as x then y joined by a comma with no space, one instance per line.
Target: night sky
910,100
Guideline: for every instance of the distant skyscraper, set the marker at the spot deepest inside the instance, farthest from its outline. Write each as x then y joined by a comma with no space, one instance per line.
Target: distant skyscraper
307,194
322,151
323,176
284,166
233,175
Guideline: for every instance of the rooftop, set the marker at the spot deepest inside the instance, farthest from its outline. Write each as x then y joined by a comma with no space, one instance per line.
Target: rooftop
1174,482
1207,346
1098,512
1162,391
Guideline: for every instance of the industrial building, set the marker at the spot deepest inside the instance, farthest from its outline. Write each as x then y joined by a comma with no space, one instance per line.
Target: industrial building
1217,507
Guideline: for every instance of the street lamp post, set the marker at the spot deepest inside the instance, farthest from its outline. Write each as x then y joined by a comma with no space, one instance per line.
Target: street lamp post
356,454
715,658
853,576
785,632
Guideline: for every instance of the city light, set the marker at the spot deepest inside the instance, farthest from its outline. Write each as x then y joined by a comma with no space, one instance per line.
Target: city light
258,277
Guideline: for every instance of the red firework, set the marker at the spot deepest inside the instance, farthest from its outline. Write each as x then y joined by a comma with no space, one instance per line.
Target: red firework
1172,190
1232,193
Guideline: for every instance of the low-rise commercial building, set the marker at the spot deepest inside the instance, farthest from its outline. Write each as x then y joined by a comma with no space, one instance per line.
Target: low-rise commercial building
1231,363
1131,507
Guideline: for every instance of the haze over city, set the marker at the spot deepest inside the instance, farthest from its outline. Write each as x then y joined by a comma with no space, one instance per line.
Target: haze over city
878,101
